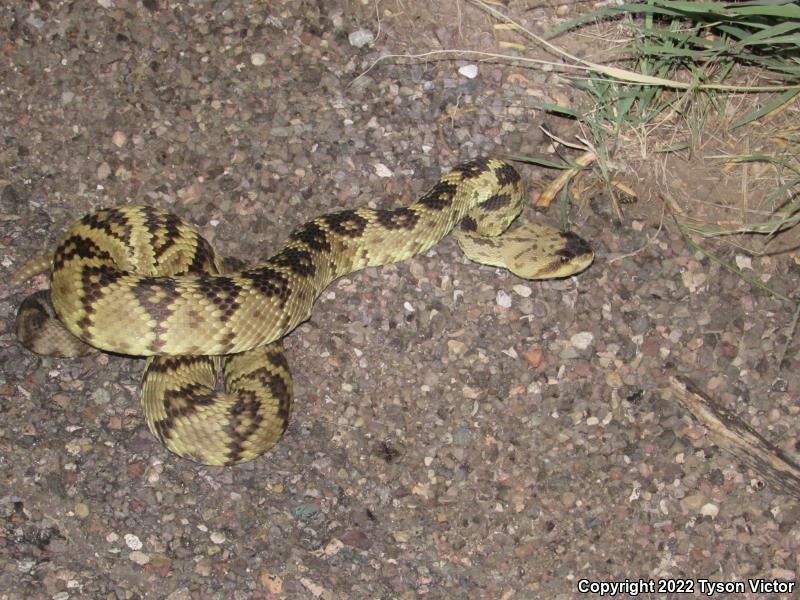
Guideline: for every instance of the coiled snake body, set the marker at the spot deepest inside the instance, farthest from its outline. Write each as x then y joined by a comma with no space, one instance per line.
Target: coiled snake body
140,281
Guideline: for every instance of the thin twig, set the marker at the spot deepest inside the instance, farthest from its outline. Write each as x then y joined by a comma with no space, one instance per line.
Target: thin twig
586,66
730,433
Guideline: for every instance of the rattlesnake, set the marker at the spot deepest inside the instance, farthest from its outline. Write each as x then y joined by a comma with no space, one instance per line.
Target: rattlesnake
140,281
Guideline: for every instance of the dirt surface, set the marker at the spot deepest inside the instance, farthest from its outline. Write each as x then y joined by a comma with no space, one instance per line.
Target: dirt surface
458,433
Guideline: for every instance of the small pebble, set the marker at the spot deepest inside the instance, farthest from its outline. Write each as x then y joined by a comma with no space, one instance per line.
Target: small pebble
356,538
360,38
24,566
119,138
522,290
503,299
133,542
693,502
469,71
217,537
203,567
140,558
462,436
258,58
381,170
534,357
333,547
456,347
582,340
101,396
304,512
273,583
401,536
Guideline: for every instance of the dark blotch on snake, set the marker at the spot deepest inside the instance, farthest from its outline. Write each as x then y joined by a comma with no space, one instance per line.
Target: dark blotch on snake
79,247
347,223
439,196
299,261
268,282
574,246
496,202
399,218
472,168
468,224
222,291
506,174
313,236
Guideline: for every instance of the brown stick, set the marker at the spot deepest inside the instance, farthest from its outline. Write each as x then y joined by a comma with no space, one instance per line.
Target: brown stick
733,435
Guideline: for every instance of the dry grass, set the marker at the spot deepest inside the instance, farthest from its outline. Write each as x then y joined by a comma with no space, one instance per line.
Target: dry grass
681,127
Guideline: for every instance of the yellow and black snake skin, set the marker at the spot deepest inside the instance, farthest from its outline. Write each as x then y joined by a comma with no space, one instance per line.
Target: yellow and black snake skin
140,281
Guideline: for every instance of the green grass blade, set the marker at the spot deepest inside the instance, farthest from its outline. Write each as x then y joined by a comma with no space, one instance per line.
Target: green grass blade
540,162
766,109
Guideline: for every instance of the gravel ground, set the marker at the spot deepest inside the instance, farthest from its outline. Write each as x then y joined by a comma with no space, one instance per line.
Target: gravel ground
458,433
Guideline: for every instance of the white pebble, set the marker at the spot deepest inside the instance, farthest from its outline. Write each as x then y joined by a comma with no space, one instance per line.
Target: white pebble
469,71
360,38
522,290
258,58
119,138
744,262
407,305
709,510
217,537
381,170
503,299
510,352
582,340
133,542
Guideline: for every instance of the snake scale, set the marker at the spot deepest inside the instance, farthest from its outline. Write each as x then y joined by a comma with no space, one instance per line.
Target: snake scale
140,281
